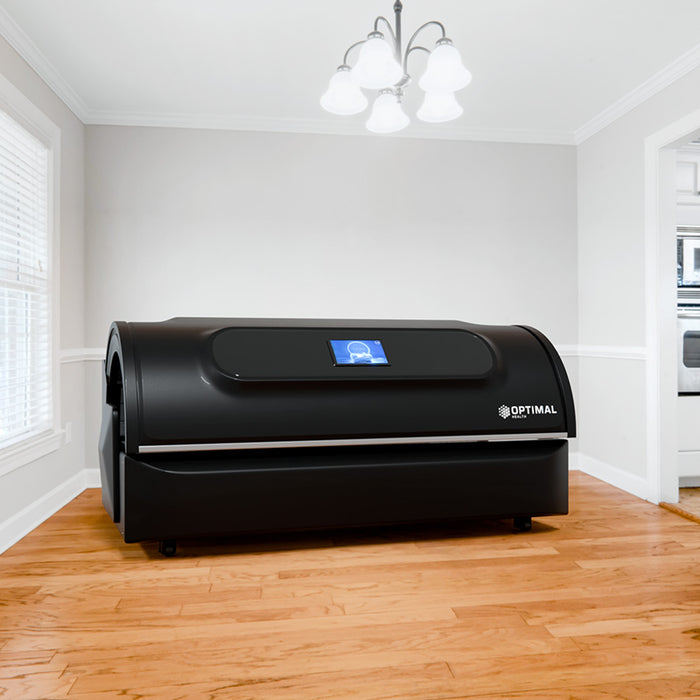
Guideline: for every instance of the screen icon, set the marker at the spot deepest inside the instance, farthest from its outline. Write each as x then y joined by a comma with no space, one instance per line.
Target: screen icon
358,352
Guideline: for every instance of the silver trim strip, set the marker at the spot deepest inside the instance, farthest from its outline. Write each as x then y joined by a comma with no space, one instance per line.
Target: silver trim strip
211,446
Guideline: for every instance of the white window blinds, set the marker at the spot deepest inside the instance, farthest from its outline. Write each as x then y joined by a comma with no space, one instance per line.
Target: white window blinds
25,324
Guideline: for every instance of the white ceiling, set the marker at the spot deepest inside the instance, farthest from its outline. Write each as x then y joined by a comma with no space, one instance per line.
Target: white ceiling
550,71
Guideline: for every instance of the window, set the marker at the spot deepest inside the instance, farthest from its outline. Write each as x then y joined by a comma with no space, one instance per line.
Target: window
26,365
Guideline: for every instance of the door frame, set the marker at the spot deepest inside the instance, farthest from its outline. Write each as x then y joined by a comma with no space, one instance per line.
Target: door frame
660,304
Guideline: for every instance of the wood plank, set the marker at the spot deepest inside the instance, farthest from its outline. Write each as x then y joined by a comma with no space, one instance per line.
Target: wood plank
88,635
294,653
299,659
414,682
13,660
145,598
635,602
564,670
684,641
39,684
687,686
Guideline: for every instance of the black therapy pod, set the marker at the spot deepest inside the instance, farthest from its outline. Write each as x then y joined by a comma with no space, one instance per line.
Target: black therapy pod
226,426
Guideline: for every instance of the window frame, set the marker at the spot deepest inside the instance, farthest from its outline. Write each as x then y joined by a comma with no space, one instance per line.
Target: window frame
33,120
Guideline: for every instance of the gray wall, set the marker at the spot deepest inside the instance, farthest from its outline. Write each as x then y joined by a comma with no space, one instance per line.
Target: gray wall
184,222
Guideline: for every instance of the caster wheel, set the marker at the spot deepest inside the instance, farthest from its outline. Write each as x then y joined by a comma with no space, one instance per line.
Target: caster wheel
167,547
523,523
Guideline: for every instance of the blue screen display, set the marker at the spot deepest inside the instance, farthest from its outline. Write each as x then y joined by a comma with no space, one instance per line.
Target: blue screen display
358,352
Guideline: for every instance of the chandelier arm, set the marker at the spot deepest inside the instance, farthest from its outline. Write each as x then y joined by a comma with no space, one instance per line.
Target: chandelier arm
350,48
420,29
388,26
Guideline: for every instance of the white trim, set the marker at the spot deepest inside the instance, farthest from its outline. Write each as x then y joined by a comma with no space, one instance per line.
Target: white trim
53,134
30,450
613,352
341,127
82,355
661,387
29,51
21,524
30,117
93,480
621,479
688,464
650,87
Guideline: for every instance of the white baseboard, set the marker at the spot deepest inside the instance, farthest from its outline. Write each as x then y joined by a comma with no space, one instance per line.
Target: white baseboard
636,485
574,458
21,524
92,478
688,464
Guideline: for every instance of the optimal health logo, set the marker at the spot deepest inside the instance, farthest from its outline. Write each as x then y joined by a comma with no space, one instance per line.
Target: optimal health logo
520,412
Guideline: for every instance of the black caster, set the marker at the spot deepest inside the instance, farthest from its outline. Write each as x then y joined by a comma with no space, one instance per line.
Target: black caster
167,547
523,523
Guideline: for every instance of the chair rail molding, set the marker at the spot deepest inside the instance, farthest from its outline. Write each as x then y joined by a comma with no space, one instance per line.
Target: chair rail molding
82,355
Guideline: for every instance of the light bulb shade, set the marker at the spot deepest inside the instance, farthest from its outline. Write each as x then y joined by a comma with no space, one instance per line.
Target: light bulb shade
343,96
376,66
387,115
445,71
439,107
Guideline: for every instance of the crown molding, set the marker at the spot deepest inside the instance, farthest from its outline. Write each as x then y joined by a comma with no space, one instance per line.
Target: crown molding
29,51
659,81
319,126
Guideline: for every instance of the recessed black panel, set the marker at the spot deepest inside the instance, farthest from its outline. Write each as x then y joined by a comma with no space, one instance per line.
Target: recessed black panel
303,354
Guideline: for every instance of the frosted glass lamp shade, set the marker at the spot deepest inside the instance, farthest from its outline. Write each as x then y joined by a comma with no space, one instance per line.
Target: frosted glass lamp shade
387,115
343,96
445,71
439,107
376,66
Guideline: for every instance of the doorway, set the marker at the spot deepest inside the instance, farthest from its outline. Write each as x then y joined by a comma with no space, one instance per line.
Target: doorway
660,303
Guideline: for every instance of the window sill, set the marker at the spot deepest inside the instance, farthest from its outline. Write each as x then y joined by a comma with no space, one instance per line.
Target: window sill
29,450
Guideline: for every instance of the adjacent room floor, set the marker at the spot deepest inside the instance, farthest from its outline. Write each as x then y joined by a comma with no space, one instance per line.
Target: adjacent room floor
602,603
688,504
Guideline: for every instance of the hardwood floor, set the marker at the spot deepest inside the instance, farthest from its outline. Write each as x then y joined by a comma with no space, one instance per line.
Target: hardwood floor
602,603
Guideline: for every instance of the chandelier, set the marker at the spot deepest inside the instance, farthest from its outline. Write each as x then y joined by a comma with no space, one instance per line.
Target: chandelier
382,65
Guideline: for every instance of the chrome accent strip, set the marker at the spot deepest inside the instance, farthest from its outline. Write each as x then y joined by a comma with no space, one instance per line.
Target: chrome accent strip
435,439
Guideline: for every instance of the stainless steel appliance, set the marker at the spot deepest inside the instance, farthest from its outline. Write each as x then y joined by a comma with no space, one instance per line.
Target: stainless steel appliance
688,266
689,351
